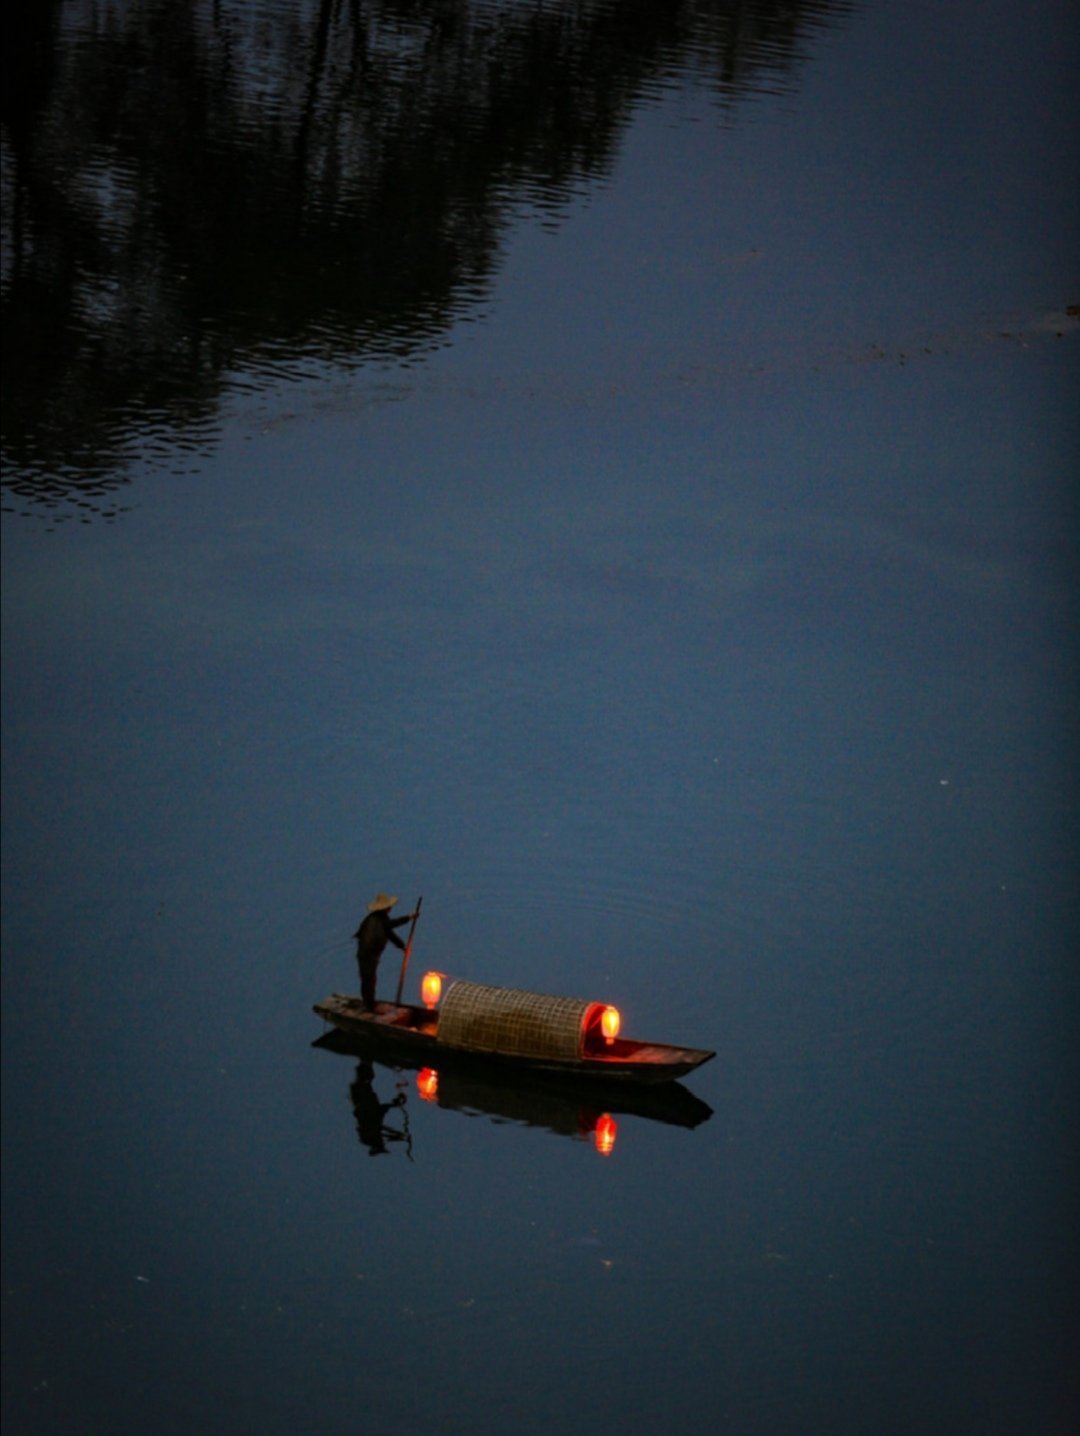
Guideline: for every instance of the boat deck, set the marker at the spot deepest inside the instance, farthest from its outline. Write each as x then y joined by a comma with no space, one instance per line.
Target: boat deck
622,1057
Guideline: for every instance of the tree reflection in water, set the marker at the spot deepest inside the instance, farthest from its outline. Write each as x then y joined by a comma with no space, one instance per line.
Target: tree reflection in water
211,195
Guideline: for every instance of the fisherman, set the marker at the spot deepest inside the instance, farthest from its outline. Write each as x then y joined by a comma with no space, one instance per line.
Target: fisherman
376,930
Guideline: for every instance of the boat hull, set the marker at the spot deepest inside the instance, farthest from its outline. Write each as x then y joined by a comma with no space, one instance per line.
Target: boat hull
413,1029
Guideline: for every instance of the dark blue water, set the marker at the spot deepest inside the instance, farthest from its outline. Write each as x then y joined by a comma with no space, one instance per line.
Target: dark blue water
610,470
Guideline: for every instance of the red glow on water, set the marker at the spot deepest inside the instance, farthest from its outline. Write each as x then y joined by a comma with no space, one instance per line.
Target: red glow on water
427,1083
604,1134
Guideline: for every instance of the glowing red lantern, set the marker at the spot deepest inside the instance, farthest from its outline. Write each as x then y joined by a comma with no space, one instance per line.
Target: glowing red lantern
431,989
610,1023
604,1134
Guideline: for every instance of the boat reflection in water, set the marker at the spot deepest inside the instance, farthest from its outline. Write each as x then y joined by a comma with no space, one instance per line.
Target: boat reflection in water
584,1111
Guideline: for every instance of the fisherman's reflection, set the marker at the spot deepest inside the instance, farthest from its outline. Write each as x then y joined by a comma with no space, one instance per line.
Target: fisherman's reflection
371,1125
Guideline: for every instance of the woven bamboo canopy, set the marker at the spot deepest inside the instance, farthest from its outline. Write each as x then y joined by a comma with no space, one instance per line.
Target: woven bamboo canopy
475,1018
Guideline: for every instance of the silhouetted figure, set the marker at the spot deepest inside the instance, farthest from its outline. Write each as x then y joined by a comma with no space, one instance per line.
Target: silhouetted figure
376,930
370,1113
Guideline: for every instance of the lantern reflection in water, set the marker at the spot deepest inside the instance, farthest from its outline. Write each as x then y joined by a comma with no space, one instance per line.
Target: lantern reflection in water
601,1129
604,1134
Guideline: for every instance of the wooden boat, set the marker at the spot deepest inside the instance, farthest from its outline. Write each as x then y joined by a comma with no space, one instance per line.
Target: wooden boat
502,1025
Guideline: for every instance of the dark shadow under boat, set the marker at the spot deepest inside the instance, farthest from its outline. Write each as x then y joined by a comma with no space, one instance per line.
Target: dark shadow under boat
465,1082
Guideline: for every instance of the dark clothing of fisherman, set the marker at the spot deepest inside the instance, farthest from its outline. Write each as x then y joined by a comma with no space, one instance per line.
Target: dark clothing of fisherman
376,930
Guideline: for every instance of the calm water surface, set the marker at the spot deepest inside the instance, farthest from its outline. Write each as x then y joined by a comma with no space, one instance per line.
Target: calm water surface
609,469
